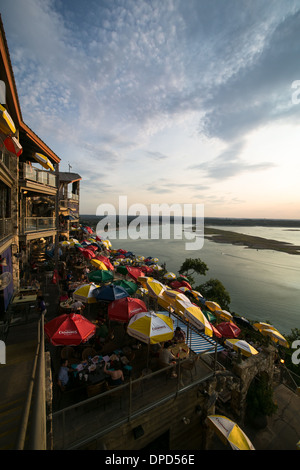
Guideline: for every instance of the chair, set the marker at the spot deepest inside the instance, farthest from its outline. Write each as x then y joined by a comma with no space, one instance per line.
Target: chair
87,352
190,364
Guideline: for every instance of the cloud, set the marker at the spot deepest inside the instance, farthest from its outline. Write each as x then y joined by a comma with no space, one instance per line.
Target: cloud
229,164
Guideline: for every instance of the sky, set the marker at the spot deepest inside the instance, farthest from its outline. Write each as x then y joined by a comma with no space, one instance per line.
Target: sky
165,101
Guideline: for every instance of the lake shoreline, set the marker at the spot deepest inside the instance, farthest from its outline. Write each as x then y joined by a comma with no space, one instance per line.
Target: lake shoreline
249,241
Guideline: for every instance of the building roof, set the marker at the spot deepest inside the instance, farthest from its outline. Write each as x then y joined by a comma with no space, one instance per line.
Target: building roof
68,177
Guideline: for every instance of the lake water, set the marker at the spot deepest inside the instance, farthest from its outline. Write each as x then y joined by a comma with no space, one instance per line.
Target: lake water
263,285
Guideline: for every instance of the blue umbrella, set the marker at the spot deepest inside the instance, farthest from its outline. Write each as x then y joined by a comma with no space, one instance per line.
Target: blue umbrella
110,293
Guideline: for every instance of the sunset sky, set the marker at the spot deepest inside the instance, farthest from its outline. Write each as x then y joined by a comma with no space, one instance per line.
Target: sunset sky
166,101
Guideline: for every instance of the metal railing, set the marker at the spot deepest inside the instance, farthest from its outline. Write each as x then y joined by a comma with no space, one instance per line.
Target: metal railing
40,176
36,224
35,402
135,398
6,228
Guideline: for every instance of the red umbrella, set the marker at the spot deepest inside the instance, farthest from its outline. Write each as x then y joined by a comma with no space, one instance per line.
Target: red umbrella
228,329
216,333
88,254
135,272
146,269
120,250
69,329
177,284
106,261
123,309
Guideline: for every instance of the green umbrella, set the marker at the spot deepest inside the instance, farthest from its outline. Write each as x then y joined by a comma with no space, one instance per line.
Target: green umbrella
78,245
210,317
130,286
100,276
122,270
183,278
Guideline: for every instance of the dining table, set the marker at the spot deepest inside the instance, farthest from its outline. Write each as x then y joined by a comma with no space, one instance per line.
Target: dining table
180,350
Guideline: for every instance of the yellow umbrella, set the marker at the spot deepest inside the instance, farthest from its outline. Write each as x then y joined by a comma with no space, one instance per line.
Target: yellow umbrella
197,318
64,243
212,305
169,275
44,161
165,301
276,337
7,125
85,293
272,332
229,432
156,267
151,328
154,287
98,264
261,326
241,345
224,315
196,294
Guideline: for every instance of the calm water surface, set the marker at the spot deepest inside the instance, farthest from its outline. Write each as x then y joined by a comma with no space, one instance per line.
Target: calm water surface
263,285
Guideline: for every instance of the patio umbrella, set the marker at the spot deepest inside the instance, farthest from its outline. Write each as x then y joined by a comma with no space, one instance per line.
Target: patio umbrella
223,314
241,345
276,337
154,287
98,264
135,272
146,269
69,329
182,278
169,275
105,261
122,270
212,305
110,293
263,326
88,254
7,125
228,330
129,286
151,328
229,432
13,145
43,160
100,276
123,309
197,318
85,293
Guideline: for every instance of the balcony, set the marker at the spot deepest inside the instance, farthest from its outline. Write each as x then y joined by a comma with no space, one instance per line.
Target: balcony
6,228
38,224
39,176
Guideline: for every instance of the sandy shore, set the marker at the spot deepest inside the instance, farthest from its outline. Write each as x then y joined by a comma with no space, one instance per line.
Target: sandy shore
257,243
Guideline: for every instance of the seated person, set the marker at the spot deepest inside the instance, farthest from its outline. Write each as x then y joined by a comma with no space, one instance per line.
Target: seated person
78,306
166,357
179,335
116,376
64,379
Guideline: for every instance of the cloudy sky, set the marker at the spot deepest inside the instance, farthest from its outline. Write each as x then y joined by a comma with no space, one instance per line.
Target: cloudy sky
166,101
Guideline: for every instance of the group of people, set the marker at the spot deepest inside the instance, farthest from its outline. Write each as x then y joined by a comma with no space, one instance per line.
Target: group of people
66,379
